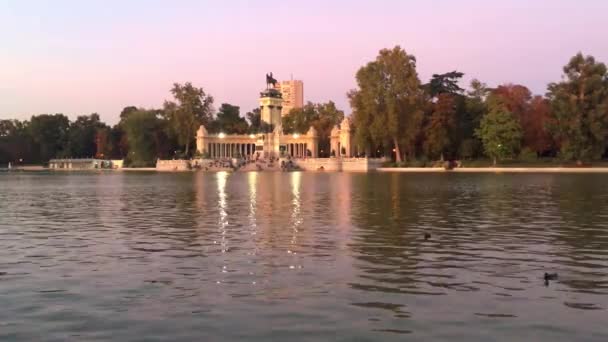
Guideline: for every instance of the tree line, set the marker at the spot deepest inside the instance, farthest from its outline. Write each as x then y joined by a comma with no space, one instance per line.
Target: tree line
140,137
394,113
143,135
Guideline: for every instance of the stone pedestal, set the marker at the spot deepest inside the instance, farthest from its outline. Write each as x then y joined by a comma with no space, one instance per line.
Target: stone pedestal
271,103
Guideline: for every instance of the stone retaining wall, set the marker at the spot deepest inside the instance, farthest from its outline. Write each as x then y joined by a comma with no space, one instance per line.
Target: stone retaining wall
498,169
308,164
173,165
339,164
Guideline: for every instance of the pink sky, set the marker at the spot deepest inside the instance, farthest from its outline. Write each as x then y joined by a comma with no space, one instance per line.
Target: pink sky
78,57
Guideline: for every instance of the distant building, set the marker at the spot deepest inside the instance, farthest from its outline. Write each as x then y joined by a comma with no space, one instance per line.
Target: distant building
293,95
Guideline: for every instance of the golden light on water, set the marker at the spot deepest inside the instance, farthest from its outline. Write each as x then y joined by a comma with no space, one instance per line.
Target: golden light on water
221,204
296,214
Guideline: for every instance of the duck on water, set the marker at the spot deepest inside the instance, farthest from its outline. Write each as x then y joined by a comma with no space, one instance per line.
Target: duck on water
549,276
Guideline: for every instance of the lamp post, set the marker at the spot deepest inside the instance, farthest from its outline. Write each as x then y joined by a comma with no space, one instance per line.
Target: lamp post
499,152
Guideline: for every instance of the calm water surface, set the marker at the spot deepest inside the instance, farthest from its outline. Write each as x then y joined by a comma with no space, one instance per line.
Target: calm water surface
303,256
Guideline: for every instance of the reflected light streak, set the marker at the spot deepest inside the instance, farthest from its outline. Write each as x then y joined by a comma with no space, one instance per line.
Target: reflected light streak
221,203
296,214
252,178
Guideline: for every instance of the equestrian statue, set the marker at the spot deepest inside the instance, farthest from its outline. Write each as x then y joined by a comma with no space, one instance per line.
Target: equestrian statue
270,80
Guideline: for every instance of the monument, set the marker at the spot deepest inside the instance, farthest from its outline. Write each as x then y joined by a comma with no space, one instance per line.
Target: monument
269,142
260,149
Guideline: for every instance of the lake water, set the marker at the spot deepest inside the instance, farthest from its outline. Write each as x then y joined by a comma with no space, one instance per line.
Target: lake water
303,256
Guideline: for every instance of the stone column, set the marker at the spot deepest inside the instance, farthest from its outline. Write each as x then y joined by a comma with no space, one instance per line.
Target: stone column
314,153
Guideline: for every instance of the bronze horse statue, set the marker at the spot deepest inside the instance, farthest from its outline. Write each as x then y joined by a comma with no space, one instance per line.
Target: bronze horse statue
270,80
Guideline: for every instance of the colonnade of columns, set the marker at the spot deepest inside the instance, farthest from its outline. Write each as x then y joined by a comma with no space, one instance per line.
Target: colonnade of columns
230,150
298,150
233,150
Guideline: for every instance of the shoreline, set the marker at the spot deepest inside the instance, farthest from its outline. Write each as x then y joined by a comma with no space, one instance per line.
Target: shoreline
597,170
496,169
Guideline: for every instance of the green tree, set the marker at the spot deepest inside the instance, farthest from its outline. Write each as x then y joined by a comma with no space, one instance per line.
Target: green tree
141,128
229,120
579,116
500,133
328,116
15,142
445,84
117,145
49,133
255,120
192,108
299,120
82,142
322,116
445,106
469,119
387,106
126,111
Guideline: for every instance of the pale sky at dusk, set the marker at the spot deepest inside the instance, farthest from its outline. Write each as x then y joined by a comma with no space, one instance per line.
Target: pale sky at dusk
78,57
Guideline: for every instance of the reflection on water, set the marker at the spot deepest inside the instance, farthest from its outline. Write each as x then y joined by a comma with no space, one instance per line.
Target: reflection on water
302,256
223,215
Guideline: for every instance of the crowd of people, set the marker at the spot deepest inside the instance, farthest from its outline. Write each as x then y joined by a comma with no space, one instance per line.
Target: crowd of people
261,163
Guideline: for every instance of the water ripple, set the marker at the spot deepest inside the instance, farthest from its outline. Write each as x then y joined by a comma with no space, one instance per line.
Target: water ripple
302,256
